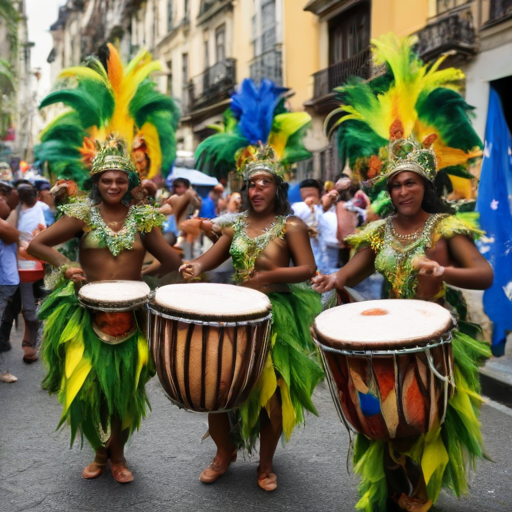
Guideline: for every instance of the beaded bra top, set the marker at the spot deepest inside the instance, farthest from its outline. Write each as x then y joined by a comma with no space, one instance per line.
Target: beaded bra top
245,250
395,253
139,219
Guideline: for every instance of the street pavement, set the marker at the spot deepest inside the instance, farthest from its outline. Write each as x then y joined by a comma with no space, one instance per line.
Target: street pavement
40,473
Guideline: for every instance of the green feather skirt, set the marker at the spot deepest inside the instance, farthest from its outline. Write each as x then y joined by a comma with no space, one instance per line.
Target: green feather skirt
95,382
444,455
292,369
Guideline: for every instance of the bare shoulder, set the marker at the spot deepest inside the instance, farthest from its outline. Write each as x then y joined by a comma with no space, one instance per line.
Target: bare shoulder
294,224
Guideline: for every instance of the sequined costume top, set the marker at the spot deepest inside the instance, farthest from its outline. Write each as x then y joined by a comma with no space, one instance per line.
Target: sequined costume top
245,250
395,255
140,219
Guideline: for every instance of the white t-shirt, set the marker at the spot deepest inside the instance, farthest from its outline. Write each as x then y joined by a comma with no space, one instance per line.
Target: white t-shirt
30,218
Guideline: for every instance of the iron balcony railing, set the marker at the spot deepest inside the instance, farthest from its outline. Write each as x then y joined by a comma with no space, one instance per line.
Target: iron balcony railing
499,10
267,65
213,85
337,74
453,32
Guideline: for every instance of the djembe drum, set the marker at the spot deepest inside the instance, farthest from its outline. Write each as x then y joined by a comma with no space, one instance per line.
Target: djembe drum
113,306
389,365
209,343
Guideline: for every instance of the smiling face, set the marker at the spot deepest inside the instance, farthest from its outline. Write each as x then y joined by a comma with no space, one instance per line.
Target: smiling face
407,190
113,185
262,192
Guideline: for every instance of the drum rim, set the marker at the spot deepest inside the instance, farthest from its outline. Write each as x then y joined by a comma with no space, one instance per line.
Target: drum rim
119,306
446,338
199,319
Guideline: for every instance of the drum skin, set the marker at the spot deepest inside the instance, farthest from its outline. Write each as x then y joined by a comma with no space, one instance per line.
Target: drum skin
391,397
381,390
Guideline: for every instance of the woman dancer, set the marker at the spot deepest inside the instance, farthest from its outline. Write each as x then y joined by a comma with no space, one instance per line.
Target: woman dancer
100,385
262,241
419,249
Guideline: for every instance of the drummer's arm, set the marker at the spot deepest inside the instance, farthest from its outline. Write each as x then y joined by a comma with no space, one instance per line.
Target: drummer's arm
474,271
361,266
42,246
168,258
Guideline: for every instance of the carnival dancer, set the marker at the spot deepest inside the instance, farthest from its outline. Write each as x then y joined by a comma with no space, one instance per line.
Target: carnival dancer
420,249
100,385
262,241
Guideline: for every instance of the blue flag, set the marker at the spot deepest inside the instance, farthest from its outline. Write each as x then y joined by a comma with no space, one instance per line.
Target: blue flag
495,206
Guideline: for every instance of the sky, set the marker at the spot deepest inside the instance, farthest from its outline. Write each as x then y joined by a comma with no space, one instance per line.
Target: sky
41,14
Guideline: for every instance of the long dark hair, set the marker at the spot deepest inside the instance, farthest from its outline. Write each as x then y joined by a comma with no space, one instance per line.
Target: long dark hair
281,203
431,203
95,196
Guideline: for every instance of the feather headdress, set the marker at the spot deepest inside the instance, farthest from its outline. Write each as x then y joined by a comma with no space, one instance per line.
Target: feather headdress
417,102
107,100
256,117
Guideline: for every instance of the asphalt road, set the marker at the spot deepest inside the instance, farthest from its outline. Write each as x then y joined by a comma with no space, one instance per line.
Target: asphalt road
38,471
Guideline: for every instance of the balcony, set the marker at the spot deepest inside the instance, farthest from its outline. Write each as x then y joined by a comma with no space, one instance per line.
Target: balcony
337,74
213,85
454,32
499,10
267,65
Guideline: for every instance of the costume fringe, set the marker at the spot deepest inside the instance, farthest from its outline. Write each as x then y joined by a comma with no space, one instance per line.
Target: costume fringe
292,366
445,454
94,381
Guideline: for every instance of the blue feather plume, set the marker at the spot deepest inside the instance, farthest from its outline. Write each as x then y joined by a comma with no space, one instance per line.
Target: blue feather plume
253,107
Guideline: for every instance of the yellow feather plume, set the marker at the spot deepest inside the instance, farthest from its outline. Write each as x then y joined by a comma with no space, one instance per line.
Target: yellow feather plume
150,135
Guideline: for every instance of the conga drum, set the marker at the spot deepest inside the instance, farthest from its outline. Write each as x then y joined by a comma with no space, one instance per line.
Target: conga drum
113,306
209,343
389,365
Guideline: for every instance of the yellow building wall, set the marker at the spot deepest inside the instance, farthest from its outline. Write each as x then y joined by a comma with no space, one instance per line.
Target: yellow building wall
301,38
403,17
242,30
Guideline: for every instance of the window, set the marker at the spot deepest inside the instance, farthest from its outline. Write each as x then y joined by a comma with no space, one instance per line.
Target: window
169,78
170,14
186,10
184,69
349,34
220,43
446,5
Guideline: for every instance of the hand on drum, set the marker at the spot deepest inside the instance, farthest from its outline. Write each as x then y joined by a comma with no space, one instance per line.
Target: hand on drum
75,274
424,266
324,282
190,271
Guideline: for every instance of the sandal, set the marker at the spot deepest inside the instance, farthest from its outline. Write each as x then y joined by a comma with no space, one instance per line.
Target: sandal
214,470
93,470
8,377
121,473
267,481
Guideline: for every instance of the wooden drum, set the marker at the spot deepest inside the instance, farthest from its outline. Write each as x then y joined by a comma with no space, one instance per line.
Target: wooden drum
209,343
389,365
112,306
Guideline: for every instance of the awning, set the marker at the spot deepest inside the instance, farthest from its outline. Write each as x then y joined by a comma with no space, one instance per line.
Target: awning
195,177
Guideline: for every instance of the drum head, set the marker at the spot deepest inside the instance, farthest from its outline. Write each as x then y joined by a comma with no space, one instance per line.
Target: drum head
212,302
382,324
114,294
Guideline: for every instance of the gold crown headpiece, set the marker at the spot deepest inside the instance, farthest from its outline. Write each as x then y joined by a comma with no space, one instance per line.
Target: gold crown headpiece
403,155
252,159
112,155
